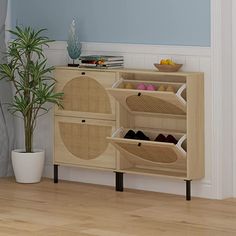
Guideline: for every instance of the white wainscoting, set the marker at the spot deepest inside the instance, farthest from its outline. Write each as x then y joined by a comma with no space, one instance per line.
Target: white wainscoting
136,56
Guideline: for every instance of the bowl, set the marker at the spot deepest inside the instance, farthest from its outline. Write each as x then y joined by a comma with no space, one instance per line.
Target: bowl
168,68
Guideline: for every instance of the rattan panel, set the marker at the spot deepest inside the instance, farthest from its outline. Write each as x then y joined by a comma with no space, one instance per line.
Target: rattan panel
151,153
151,104
85,94
83,140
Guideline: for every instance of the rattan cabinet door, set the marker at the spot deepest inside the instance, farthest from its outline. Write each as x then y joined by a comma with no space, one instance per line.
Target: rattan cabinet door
85,93
80,141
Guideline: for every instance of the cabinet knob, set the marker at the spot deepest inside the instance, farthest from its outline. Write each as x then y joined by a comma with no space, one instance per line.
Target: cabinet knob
82,73
83,121
139,94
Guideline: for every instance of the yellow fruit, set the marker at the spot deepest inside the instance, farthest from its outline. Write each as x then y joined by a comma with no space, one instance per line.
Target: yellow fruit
170,62
163,62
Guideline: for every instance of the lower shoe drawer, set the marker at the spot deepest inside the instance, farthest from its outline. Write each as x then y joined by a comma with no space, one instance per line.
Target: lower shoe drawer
142,156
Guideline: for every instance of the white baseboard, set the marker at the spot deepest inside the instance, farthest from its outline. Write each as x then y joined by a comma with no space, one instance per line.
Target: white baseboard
143,57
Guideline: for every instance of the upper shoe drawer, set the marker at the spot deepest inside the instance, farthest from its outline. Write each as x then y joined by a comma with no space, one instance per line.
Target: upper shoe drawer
150,102
85,93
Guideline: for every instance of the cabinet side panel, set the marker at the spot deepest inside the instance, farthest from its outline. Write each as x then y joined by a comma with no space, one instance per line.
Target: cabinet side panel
195,127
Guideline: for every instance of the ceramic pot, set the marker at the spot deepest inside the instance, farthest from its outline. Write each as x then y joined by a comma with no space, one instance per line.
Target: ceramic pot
28,167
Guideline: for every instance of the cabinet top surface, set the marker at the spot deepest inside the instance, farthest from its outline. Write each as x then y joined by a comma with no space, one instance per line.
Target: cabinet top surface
127,70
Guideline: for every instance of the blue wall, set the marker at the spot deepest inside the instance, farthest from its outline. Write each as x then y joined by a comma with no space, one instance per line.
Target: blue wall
167,22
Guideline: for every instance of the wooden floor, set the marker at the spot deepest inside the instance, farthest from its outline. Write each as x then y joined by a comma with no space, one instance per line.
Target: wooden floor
87,210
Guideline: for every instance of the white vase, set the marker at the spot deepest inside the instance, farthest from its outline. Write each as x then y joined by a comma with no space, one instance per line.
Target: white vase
28,167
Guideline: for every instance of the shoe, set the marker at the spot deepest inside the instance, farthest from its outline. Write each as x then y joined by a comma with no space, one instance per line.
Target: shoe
128,86
141,136
141,86
130,134
170,89
171,139
162,88
151,87
160,138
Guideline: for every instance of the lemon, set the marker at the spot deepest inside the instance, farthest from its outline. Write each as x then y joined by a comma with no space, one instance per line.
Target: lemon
163,62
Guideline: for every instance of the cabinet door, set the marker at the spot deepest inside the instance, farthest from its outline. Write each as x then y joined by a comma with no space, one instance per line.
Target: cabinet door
85,93
80,141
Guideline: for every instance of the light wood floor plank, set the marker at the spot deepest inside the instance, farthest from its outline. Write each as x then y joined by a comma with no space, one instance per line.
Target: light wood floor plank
72,209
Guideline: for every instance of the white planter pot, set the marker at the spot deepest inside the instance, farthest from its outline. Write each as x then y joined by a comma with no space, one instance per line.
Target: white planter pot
28,167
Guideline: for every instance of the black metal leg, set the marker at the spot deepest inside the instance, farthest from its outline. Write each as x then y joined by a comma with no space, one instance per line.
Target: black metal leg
55,174
119,182
188,190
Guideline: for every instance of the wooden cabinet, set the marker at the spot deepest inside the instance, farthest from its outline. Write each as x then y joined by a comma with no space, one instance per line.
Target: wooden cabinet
87,119
99,110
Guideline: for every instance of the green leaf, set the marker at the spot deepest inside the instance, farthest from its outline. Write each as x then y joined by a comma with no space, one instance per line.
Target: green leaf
30,75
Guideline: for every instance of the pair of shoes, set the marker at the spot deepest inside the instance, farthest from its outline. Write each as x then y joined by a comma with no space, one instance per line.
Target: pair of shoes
149,87
138,135
129,86
168,139
130,134
169,88
141,136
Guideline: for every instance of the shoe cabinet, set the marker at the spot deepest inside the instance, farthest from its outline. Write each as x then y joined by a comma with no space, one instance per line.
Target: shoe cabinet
87,119
101,106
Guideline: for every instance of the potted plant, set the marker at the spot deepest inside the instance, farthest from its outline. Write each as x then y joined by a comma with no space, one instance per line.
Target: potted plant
34,86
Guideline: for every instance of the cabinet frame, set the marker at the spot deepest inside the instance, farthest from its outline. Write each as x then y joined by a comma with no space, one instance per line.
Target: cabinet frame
190,123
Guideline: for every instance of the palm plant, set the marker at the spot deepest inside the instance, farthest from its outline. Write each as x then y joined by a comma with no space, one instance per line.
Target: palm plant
31,77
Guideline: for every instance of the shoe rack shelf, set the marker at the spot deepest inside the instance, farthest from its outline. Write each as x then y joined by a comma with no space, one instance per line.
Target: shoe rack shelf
99,110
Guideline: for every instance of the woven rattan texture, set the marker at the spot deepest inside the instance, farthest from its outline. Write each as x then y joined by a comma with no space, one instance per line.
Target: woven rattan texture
85,94
83,140
151,104
151,153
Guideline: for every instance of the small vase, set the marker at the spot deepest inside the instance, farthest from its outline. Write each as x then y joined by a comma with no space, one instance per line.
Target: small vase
73,43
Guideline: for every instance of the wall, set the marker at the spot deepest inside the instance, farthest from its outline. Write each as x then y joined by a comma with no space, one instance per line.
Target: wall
233,89
136,56
169,22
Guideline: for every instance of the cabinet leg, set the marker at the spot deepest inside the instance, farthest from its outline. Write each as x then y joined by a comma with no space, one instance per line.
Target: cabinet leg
55,174
119,182
188,190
